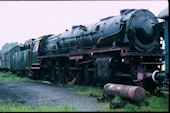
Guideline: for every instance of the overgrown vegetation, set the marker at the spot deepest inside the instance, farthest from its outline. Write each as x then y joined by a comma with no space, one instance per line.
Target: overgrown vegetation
8,76
150,104
9,106
8,46
85,90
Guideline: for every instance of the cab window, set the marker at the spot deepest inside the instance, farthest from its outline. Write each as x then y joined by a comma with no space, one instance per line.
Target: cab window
36,46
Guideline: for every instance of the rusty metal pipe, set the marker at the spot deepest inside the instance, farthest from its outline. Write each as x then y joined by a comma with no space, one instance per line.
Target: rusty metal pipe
135,93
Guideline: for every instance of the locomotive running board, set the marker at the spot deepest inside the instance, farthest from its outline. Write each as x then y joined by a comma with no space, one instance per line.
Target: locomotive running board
35,67
124,52
141,54
86,51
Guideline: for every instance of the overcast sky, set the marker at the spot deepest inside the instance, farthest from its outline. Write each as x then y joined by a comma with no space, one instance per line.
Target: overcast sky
22,20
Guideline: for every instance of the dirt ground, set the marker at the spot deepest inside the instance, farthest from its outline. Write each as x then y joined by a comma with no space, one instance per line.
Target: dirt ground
34,94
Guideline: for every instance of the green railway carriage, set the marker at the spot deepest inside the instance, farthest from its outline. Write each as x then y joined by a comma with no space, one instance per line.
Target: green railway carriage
6,62
25,61
22,60
0,60
3,64
10,55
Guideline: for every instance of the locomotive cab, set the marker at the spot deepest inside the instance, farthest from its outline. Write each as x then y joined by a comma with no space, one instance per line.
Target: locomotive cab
38,48
35,51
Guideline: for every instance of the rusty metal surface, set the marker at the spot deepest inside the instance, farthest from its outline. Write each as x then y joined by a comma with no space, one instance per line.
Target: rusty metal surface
134,93
75,57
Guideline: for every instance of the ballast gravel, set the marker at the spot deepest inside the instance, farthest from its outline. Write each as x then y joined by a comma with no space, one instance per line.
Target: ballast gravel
33,93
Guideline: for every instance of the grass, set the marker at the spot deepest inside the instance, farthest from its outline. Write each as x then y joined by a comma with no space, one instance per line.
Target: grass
155,104
160,104
150,104
10,106
84,90
8,76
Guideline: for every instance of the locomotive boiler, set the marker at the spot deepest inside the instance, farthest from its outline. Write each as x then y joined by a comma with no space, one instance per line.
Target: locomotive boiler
123,49
133,28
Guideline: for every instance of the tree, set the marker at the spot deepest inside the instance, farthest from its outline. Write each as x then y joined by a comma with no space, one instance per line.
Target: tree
9,45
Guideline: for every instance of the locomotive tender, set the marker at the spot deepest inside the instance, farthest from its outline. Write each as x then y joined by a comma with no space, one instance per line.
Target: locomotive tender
122,49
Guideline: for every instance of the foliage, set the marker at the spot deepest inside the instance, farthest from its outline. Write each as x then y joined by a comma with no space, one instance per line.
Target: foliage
85,90
7,76
9,45
117,99
9,106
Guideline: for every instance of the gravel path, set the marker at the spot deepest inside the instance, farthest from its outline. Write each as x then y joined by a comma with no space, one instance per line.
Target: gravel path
34,94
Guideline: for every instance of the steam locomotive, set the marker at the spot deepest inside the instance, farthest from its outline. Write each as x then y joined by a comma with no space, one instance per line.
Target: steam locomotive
124,49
